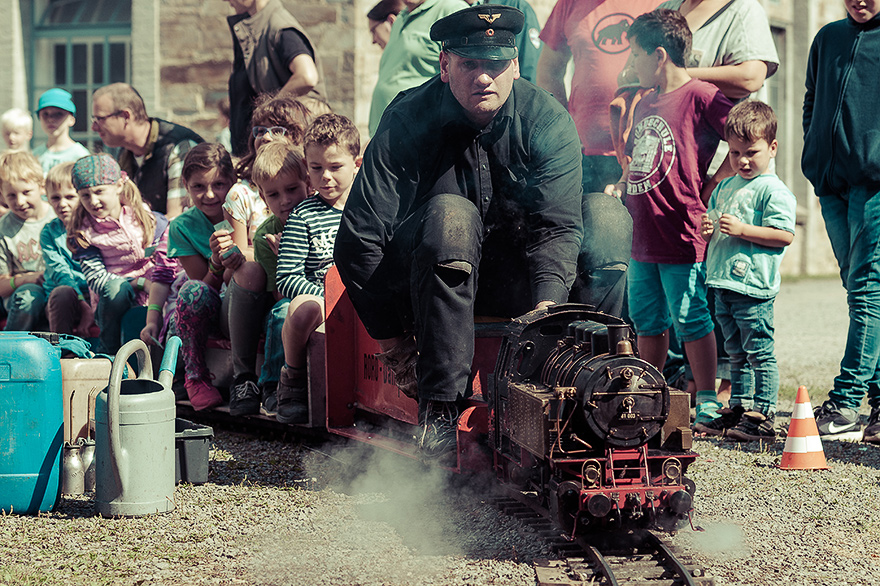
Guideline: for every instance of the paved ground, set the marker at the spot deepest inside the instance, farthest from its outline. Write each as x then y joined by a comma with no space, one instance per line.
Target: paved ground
811,325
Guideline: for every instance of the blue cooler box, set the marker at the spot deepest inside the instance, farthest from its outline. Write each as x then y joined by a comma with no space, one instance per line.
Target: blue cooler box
31,423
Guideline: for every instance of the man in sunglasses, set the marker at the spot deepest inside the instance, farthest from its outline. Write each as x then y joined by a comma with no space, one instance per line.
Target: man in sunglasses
468,202
151,150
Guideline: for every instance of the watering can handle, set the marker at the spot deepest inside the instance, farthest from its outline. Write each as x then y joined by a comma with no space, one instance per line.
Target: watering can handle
169,361
145,369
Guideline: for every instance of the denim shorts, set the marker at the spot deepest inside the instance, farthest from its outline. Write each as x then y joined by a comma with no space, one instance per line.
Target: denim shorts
669,295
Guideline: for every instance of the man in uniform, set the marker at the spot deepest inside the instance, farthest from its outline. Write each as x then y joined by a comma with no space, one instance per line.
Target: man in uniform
151,150
468,202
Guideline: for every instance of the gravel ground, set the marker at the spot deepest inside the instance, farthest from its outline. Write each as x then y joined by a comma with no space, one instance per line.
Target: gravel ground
280,513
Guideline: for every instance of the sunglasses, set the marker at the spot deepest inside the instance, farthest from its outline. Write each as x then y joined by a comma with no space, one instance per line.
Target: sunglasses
261,131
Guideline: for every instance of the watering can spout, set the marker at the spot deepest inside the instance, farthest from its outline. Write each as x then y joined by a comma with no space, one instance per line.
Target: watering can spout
169,361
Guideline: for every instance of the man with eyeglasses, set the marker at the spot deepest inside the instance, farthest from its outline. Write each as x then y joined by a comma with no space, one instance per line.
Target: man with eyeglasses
151,150
271,53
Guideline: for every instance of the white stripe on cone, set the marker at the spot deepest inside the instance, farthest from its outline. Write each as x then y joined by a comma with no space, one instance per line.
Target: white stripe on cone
803,445
802,411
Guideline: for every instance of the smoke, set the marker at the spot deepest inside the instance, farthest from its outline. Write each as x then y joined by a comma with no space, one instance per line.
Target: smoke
721,540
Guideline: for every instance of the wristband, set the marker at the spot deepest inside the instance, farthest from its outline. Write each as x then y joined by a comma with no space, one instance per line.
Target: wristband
154,307
12,282
215,270
140,283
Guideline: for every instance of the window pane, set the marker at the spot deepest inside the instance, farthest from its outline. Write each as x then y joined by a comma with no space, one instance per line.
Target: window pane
98,63
117,62
60,64
81,101
80,63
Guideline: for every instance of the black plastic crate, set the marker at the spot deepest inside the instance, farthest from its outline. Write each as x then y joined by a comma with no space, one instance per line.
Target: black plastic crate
191,444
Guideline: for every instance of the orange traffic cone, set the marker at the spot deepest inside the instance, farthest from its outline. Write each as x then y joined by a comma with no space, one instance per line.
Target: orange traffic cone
803,447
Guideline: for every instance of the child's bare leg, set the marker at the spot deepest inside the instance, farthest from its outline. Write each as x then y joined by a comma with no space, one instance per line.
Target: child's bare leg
654,349
305,313
703,358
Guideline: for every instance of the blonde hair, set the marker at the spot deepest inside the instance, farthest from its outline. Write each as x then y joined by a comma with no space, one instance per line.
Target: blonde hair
17,119
58,178
20,166
129,196
276,158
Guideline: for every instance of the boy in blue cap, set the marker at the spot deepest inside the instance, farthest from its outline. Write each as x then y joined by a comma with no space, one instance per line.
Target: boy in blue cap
57,115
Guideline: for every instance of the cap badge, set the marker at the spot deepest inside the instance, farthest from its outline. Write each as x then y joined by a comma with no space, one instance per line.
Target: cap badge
490,32
490,18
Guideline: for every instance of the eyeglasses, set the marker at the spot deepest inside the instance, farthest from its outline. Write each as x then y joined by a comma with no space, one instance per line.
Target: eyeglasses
261,131
101,119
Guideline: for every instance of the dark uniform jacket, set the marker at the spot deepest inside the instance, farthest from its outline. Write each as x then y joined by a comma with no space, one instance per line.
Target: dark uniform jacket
522,172
151,176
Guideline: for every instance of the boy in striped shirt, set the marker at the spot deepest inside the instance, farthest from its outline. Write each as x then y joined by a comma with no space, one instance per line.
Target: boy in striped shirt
332,152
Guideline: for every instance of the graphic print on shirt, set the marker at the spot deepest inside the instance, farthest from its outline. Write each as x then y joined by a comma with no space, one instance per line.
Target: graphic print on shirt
322,245
609,34
652,157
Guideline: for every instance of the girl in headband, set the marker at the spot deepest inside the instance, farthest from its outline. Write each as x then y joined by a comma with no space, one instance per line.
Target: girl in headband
122,248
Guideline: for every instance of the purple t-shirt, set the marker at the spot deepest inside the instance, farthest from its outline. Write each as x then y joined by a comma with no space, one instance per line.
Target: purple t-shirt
673,140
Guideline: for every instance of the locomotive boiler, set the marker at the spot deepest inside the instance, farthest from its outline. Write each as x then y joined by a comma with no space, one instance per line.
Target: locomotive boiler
578,418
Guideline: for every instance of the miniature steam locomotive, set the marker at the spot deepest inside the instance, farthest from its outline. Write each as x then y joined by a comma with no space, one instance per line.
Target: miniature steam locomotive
561,407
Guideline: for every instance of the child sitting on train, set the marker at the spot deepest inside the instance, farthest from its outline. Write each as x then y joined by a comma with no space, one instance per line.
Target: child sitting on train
676,130
21,260
121,246
201,308
274,119
68,308
280,174
332,152
750,221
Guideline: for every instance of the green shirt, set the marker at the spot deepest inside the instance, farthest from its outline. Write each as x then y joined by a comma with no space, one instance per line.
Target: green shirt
263,252
410,58
190,235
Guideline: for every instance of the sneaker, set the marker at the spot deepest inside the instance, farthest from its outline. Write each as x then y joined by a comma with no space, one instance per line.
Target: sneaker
872,432
201,394
401,359
835,422
439,430
244,399
293,399
727,417
754,426
270,401
707,411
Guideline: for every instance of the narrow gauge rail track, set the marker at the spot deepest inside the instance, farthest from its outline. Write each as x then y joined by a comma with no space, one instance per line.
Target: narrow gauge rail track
632,559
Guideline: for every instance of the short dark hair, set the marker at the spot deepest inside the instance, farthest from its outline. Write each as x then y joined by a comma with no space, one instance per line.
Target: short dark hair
330,129
663,28
385,8
751,120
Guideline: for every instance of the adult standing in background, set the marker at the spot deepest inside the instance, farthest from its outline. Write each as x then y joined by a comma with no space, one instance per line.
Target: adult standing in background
410,58
592,33
272,53
381,18
152,150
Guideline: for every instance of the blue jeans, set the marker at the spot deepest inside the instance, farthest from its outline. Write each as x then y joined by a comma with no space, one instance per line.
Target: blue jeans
273,349
747,325
851,220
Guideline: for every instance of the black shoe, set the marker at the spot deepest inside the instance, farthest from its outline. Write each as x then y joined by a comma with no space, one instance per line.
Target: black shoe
293,399
270,401
754,426
727,418
872,432
837,422
244,399
439,426
401,360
